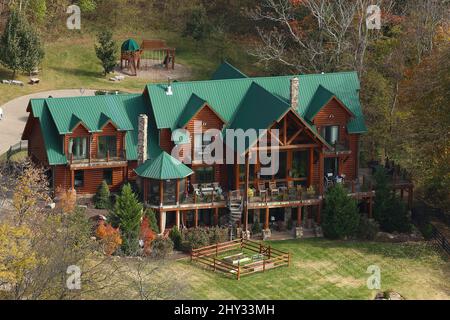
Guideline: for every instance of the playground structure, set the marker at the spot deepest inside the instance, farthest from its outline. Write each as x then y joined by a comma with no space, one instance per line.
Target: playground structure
134,57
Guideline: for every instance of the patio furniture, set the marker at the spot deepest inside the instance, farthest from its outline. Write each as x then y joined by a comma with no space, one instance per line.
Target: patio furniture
273,188
328,180
196,189
262,189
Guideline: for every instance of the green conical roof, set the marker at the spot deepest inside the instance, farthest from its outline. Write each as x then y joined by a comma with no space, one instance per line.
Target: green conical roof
163,167
130,45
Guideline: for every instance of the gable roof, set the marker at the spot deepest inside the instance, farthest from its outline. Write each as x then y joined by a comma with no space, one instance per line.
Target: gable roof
227,71
128,107
320,99
194,105
163,167
225,96
93,112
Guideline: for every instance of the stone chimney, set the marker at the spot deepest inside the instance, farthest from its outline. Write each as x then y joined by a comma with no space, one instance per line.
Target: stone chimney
294,93
142,139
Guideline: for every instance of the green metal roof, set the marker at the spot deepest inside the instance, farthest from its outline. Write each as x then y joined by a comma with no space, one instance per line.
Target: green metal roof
163,167
52,140
227,71
130,45
225,96
320,100
93,112
194,104
128,106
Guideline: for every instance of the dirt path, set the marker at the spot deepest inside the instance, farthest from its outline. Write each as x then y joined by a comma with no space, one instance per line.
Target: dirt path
15,115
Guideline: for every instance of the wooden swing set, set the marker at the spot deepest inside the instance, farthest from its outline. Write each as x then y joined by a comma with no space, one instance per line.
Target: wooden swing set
153,49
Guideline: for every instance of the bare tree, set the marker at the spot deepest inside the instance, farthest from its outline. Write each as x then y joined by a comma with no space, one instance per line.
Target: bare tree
315,35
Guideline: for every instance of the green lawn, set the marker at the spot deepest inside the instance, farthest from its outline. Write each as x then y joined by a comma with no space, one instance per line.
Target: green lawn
70,63
323,269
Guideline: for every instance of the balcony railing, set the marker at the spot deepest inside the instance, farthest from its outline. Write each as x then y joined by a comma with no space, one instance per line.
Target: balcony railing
118,157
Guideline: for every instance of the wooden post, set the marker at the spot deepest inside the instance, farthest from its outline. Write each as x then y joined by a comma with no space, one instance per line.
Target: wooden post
196,218
72,179
311,167
217,249
299,216
177,192
266,221
177,219
161,193
216,216
247,171
239,271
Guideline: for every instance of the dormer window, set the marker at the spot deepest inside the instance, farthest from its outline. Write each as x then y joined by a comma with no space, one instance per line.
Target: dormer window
78,148
107,147
331,134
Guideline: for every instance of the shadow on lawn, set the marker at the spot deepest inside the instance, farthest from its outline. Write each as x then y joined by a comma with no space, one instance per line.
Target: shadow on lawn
79,72
407,250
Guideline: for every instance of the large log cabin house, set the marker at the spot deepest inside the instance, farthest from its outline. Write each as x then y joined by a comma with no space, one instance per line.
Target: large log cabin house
129,138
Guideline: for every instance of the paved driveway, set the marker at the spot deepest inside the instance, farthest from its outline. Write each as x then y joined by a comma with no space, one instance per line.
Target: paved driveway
15,115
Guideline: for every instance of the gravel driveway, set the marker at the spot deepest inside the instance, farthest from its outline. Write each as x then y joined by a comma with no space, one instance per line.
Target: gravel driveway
15,115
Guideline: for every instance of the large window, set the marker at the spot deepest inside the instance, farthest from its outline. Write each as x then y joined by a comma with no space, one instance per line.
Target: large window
79,179
153,192
170,196
204,174
299,164
107,145
78,148
331,134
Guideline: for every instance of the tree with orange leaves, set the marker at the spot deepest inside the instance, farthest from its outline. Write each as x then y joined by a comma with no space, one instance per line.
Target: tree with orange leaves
147,235
110,237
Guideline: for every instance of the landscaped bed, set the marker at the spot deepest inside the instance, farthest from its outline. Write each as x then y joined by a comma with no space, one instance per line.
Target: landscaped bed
240,257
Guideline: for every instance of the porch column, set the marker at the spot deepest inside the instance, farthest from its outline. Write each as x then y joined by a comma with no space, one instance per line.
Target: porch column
177,192
266,220
246,186
311,166
162,221
196,218
145,189
299,216
161,193
177,219
321,172
216,216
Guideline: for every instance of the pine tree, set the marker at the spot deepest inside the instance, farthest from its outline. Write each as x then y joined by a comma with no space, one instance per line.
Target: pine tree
103,197
150,214
20,46
341,216
127,215
10,51
106,51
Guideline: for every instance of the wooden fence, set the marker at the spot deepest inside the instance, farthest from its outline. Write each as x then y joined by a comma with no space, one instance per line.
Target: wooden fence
271,257
22,145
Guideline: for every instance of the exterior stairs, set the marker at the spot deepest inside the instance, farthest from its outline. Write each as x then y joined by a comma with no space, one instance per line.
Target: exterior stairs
235,211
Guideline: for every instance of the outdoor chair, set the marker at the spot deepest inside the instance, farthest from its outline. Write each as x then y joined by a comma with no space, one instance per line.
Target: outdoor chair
262,189
273,188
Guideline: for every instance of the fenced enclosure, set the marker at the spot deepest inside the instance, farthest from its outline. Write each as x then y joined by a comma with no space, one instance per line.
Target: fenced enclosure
21,146
240,257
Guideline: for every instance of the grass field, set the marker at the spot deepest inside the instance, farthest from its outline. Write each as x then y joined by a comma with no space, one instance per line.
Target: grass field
323,269
70,63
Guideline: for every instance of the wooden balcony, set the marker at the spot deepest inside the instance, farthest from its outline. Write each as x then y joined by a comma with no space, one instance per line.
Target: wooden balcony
109,161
